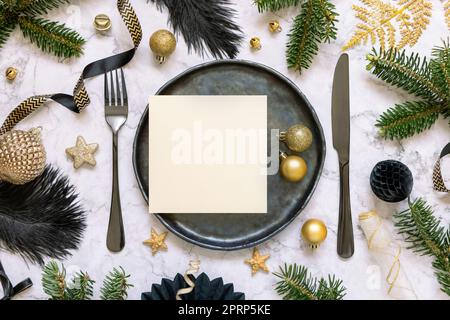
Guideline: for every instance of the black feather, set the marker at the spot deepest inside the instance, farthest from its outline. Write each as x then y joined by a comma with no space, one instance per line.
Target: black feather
205,25
41,218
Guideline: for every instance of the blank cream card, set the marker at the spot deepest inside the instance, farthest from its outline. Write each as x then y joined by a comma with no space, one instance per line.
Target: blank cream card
208,154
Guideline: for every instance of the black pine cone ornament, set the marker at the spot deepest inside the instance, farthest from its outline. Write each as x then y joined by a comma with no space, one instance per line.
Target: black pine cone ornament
391,181
204,289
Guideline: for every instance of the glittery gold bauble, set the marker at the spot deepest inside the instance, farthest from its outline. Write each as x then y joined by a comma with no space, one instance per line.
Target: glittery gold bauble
102,22
163,44
11,73
314,232
22,156
255,43
274,26
298,138
293,168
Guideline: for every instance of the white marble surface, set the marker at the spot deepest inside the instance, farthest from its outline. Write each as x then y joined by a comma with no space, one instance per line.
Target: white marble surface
40,73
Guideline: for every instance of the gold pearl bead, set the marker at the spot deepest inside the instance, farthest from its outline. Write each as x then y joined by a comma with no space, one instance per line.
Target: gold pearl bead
314,232
274,26
293,168
255,43
298,138
163,43
11,73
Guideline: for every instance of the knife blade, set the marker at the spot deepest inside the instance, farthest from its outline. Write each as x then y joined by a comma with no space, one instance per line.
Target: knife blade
340,113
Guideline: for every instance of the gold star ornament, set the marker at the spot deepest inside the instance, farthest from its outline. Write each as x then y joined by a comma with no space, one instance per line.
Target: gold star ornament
156,241
258,262
82,153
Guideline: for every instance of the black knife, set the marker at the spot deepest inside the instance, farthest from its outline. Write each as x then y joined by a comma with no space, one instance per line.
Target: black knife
340,112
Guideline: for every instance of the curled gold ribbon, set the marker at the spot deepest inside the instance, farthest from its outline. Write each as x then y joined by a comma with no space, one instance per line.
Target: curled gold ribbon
194,267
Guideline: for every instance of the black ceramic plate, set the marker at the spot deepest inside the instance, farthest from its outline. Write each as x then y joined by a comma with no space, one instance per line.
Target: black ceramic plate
286,106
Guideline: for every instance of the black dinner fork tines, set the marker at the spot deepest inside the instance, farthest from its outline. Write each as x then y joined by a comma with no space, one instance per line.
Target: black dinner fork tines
116,112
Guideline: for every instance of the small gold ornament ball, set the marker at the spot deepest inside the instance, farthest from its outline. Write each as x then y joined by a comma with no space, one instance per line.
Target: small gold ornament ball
293,168
102,22
314,232
11,73
22,156
255,43
163,44
298,138
274,26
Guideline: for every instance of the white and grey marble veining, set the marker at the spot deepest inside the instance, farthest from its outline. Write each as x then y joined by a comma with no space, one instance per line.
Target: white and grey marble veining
41,73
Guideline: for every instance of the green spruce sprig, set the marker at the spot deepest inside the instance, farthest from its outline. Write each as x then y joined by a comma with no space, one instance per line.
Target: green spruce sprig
297,284
50,37
116,285
81,286
428,80
275,5
427,237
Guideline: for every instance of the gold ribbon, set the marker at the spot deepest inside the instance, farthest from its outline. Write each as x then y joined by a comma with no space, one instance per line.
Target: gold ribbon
194,267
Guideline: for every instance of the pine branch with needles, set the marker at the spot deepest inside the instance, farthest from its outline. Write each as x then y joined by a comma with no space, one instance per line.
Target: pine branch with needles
296,283
116,285
429,80
426,236
275,5
50,37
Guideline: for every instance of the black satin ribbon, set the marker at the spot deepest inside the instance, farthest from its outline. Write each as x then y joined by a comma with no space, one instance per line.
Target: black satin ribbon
8,289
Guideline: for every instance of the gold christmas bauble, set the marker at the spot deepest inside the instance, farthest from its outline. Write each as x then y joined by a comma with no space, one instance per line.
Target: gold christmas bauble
293,168
11,73
22,156
274,26
298,138
255,43
314,232
163,44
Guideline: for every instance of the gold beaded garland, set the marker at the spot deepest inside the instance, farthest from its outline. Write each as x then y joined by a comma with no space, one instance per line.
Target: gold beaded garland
11,73
255,43
293,168
298,138
314,232
163,44
22,156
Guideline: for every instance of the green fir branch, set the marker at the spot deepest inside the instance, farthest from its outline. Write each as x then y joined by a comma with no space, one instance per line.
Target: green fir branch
427,237
115,285
5,31
440,68
407,119
297,284
39,7
275,5
408,72
315,24
54,281
82,287
52,37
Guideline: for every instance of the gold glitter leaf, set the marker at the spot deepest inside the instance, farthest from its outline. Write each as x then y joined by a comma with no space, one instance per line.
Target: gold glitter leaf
380,20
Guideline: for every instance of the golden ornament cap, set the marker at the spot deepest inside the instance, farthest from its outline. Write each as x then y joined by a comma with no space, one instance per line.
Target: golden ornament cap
274,26
314,232
163,43
298,138
255,43
22,156
102,22
293,168
11,73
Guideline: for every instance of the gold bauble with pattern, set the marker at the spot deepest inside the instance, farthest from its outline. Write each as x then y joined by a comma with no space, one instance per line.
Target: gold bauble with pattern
22,156
163,44
298,138
314,232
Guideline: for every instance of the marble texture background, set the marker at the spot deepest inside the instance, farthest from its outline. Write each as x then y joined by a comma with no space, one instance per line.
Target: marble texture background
41,73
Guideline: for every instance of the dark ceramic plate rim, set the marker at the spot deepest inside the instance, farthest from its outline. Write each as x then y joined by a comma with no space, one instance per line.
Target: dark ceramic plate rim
287,222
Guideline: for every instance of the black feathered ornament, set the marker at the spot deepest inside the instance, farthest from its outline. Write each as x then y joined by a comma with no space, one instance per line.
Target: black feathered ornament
206,25
41,218
204,289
